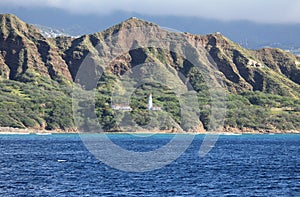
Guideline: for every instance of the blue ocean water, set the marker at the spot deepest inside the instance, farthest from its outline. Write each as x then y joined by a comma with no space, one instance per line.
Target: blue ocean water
60,165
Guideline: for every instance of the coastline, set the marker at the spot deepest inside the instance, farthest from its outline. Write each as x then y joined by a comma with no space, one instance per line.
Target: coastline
10,130
225,131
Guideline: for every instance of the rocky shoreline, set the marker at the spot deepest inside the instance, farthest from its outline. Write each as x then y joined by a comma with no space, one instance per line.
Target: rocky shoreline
10,130
258,131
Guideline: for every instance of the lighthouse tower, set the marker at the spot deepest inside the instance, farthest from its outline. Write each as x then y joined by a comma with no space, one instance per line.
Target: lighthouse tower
150,103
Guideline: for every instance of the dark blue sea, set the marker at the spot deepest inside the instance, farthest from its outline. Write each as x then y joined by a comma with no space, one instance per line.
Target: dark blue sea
61,165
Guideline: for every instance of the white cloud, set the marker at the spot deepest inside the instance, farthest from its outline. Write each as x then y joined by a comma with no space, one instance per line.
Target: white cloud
271,11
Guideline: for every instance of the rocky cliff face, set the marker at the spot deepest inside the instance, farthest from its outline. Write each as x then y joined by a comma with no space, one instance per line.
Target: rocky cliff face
267,70
25,51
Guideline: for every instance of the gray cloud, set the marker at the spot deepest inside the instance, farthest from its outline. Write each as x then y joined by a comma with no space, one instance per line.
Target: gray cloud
270,11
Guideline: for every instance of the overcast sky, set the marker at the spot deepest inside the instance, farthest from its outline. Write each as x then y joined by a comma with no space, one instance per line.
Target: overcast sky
270,11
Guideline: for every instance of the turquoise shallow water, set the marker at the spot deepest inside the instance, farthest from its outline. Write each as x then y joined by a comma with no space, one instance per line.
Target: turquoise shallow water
60,165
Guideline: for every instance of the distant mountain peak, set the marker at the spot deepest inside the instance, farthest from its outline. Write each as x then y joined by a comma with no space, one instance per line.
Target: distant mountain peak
126,25
132,22
135,20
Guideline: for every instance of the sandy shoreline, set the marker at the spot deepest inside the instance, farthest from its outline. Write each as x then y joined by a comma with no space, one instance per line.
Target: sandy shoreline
227,131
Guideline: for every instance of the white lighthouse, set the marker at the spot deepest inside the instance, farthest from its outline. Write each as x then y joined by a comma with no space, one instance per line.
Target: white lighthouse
150,103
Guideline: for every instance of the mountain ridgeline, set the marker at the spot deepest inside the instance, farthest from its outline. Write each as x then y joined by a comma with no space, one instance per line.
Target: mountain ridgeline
37,74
